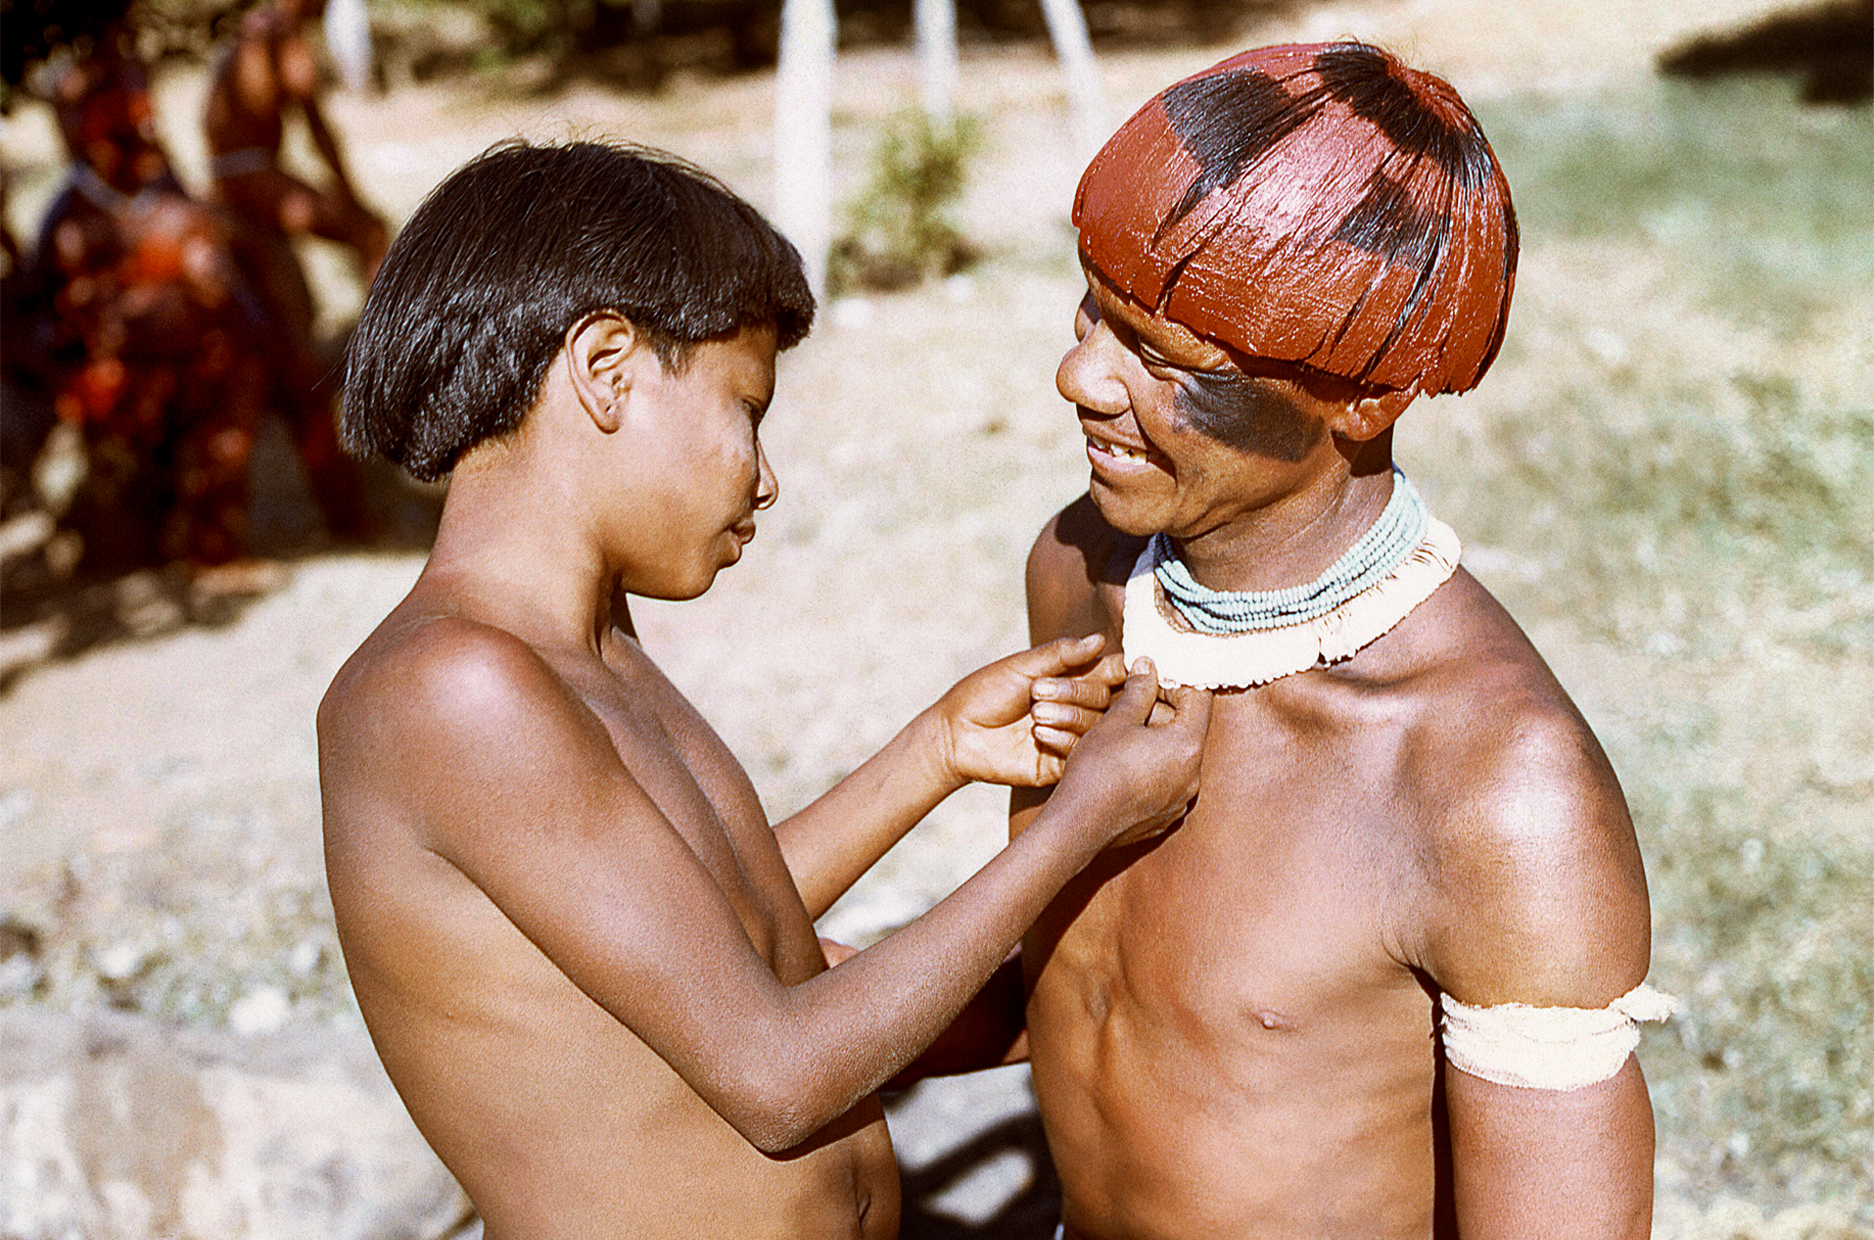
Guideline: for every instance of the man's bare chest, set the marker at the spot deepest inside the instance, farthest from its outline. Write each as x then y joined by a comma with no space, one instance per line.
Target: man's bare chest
1288,889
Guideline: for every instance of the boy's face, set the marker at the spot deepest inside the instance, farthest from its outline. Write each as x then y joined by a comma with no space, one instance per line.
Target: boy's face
697,470
1180,437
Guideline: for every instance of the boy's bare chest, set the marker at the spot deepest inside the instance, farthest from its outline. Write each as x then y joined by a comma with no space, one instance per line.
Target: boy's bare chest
708,799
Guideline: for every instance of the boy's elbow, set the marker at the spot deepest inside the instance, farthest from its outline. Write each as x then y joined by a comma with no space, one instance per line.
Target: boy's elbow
774,1110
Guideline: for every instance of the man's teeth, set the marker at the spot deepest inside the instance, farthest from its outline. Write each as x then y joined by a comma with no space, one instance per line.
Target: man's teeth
1119,450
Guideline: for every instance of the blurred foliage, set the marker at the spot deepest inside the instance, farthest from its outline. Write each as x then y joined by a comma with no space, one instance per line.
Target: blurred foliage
904,226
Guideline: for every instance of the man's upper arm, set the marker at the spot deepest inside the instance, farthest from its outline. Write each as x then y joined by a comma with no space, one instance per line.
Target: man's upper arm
1065,566
1543,903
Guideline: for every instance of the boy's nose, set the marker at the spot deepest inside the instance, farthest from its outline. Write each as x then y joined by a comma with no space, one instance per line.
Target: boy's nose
1088,375
766,487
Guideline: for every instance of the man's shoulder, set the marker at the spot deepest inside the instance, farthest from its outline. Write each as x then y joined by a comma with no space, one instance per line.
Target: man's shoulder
1075,554
1528,848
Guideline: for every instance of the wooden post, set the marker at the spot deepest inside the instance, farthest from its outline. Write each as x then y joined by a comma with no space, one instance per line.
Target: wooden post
1086,100
937,58
803,133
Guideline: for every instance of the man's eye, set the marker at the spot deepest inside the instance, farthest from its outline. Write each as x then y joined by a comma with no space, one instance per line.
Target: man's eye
1154,360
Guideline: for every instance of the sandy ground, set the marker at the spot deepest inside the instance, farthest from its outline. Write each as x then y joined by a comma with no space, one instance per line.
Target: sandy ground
161,790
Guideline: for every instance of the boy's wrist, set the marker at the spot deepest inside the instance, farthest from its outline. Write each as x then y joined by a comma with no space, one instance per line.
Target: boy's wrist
933,740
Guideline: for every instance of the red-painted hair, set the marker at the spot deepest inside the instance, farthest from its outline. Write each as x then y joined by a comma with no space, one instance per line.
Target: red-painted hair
1319,204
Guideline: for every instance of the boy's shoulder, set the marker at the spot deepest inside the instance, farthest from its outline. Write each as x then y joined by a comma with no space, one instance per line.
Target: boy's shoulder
429,694
431,663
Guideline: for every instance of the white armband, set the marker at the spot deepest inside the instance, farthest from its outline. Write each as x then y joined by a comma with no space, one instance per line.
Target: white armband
1548,1048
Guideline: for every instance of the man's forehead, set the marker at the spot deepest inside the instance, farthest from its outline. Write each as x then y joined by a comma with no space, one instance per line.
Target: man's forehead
1178,342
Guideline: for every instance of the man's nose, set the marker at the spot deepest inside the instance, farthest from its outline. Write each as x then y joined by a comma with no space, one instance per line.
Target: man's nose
1089,376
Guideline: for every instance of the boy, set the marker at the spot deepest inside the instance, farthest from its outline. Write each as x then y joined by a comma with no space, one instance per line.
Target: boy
586,960
1235,1028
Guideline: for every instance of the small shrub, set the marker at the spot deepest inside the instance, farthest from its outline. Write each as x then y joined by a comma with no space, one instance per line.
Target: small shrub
904,225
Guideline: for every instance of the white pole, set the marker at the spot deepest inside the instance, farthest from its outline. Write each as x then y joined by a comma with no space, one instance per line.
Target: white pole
803,133
348,40
1086,101
937,58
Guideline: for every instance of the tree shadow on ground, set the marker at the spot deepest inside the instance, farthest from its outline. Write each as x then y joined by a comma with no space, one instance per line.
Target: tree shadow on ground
1831,45
1030,1214
50,612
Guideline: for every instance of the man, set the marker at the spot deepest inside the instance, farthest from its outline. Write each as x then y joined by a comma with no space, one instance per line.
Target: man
267,73
1235,1029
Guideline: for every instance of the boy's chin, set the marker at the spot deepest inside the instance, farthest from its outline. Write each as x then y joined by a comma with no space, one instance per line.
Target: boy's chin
677,590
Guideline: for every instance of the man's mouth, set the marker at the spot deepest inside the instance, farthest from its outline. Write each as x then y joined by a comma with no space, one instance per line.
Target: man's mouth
1117,451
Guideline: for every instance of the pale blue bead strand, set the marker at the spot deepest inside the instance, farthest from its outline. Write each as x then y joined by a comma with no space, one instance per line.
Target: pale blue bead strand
1372,558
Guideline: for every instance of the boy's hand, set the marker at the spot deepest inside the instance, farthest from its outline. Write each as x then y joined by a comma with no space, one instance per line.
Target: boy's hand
1134,774
1015,721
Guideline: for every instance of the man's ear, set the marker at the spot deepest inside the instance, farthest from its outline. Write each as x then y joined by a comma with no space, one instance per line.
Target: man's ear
1364,418
601,353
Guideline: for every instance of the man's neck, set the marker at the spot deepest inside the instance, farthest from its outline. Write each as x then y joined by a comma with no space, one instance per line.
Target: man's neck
1293,539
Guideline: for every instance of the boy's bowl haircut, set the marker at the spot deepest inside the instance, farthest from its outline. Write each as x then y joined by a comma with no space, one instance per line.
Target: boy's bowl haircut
477,293
1320,204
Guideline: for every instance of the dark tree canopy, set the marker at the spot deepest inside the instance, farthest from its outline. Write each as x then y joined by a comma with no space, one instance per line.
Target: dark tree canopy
31,30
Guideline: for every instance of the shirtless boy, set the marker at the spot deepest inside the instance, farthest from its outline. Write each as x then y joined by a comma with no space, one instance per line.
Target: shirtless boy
1236,1028
586,959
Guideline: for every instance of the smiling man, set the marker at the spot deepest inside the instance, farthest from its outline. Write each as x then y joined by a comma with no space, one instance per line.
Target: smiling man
1383,982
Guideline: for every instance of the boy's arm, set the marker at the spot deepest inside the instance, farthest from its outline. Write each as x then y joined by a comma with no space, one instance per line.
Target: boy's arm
1063,566
990,1032
988,727
1545,904
515,783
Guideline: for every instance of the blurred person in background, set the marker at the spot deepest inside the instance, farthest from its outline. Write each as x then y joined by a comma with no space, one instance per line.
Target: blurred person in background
265,74
144,332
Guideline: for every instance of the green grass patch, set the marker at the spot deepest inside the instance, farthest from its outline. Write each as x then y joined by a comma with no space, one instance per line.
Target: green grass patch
1674,462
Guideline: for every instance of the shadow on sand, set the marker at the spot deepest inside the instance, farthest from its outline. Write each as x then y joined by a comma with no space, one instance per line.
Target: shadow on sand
1030,1214
48,614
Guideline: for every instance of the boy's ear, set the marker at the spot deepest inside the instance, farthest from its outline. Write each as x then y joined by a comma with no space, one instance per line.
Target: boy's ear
601,354
1366,417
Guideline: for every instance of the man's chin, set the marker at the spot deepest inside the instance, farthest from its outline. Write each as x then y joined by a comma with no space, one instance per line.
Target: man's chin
1116,512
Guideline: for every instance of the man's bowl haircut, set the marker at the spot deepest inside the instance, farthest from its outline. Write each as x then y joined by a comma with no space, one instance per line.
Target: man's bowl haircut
511,251
1318,204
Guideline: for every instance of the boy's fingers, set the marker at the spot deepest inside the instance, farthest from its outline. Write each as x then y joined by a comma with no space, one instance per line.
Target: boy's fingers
1055,740
1058,656
1072,691
1065,716
1135,700
1193,707
1110,670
